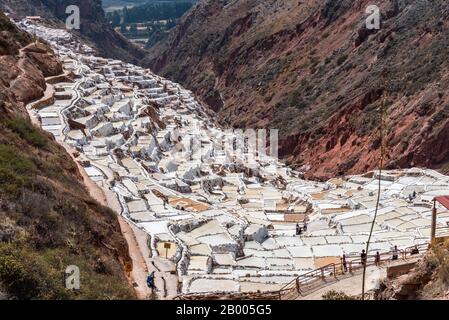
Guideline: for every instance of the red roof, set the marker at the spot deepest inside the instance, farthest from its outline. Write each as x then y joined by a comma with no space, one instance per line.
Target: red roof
444,200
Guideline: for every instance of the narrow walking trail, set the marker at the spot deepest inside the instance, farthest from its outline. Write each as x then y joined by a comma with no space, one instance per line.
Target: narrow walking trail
138,248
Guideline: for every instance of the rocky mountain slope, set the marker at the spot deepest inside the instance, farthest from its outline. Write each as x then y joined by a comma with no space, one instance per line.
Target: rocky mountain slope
311,69
93,27
429,279
48,221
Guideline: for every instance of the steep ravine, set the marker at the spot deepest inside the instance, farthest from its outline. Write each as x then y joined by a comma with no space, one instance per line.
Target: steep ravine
93,25
312,70
48,221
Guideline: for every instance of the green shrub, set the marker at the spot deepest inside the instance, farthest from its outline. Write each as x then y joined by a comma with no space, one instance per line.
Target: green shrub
27,132
27,273
15,170
337,295
25,277
342,59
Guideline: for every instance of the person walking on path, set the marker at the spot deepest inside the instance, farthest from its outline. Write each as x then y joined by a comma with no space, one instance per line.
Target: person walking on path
377,258
298,230
395,253
345,264
363,257
150,282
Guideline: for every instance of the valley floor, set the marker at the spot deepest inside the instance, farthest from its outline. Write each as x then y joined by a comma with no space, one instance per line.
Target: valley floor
205,217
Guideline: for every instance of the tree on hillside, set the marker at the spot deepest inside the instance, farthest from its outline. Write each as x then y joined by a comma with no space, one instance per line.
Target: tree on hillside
116,19
133,29
171,23
125,15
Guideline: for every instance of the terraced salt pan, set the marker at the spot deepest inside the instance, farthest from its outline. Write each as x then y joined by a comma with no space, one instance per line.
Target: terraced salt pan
242,272
141,216
314,240
382,246
324,232
327,251
222,271
393,223
361,238
388,216
392,234
213,285
282,241
352,247
173,216
304,263
269,244
225,219
374,185
247,286
210,228
402,243
253,245
438,192
200,249
155,227
443,218
200,263
360,219
136,206
219,240
338,239
318,225
187,239
224,259
334,208
274,280
406,226
281,253
300,252
93,172
254,262
360,228
258,253
287,263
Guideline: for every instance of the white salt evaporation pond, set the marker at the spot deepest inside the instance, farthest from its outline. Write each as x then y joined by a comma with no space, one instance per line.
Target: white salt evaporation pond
232,228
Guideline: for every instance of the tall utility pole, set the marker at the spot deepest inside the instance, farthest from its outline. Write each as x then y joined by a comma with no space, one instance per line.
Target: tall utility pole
381,164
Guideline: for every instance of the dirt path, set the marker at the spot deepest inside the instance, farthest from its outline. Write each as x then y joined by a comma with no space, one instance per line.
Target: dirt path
137,241
143,263
166,277
139,252
351,285
140,269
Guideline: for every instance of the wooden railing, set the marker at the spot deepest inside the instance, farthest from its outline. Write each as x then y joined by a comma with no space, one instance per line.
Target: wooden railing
403,254
301,284
309,278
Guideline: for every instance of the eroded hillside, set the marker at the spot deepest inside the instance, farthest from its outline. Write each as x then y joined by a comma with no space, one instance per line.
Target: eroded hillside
429,279
48,221
93,25
312,70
